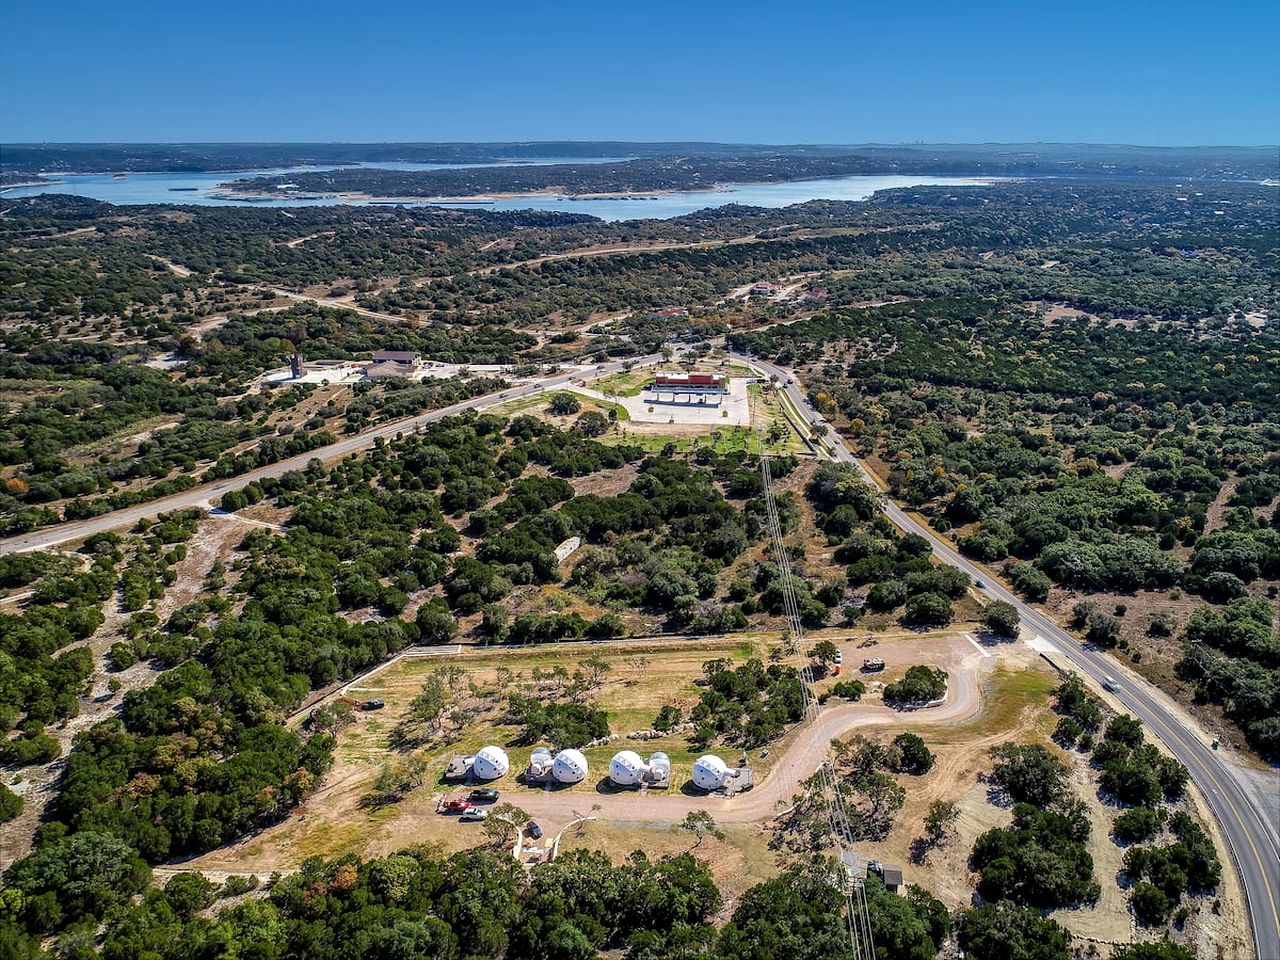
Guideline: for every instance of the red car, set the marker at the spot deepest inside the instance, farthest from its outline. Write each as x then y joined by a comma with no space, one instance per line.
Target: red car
457,806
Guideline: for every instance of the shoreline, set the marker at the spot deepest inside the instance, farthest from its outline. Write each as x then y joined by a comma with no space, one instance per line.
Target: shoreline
356,196
29,183
480,199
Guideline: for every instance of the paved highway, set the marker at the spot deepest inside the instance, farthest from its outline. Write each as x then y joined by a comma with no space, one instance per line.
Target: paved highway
197,496
1253,838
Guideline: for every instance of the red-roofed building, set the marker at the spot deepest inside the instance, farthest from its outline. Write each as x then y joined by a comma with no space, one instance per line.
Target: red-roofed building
667,313
691,383
393,363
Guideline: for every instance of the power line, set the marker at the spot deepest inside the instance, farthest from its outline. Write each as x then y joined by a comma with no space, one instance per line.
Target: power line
857,914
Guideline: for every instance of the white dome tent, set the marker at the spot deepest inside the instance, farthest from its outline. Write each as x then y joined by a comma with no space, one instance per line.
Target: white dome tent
570,766
490,763
710,772
659,765
626,769
540,762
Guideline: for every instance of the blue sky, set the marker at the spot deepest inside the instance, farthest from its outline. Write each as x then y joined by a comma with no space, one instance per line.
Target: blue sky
834,72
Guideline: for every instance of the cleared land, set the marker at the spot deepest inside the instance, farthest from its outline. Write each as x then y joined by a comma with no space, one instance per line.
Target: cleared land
996,694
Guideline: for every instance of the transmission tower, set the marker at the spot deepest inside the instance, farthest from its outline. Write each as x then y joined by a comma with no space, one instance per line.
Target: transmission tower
851,881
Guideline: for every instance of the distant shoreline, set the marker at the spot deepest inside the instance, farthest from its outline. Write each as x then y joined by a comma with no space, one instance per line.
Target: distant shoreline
354,196
357,196
29,183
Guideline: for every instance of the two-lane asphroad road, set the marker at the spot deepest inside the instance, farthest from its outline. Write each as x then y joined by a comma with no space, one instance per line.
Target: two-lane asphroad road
196,496
1253,838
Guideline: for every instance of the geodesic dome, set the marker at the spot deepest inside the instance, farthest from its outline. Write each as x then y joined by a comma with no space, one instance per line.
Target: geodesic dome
570,766
626,769
491,763
710,772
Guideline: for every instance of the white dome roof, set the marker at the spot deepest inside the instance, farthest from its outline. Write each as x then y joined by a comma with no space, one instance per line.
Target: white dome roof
491,763
659,762
570,766
626,769
710,772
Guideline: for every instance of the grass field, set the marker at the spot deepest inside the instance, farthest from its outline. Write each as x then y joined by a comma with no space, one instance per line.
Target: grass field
627,384
640,681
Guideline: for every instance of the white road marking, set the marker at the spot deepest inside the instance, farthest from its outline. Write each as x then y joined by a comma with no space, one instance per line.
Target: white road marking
977,646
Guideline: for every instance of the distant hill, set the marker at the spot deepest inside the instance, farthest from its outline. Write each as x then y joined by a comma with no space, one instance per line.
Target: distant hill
1228,162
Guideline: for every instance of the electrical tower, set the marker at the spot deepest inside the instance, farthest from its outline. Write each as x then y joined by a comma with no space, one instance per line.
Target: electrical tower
851,881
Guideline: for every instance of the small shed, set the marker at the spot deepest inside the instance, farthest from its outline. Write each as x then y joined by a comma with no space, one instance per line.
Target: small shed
892,877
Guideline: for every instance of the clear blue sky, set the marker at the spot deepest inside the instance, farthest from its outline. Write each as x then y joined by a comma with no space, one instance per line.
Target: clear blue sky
839,71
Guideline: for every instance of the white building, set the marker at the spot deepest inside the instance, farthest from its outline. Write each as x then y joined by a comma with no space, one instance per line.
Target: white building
710,772
569,766
491,763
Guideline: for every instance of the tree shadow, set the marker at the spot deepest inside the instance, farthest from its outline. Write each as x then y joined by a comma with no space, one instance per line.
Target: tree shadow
919,850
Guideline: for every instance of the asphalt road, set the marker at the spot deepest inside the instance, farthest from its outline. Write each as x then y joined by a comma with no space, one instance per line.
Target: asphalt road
198,496
1253,837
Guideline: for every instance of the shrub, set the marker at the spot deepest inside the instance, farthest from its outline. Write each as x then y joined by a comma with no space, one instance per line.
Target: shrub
849,690
1150,904
1138,824
920,685
1067,732
1028,773
1040,860
668,717
929,610
564,404
1102,629
887,595
123,655
10,804
1002,619
909,754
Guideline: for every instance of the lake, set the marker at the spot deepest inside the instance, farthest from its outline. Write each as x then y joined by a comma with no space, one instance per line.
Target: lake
201,189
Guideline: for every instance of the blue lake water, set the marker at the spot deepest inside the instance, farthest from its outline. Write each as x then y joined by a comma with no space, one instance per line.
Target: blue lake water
202,189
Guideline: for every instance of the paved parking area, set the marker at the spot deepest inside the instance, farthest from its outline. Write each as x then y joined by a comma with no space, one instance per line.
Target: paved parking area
710,409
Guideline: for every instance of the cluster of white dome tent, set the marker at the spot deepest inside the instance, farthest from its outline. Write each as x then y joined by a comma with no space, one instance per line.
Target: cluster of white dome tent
626,769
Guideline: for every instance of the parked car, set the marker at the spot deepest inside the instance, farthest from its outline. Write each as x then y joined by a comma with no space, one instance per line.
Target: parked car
839,657
485,795
457,806
373,705
475,813
535,831
873,664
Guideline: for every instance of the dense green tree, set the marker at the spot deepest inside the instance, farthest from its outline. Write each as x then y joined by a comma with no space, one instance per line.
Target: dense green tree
82,875
1028,773
1004,931
1002,619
